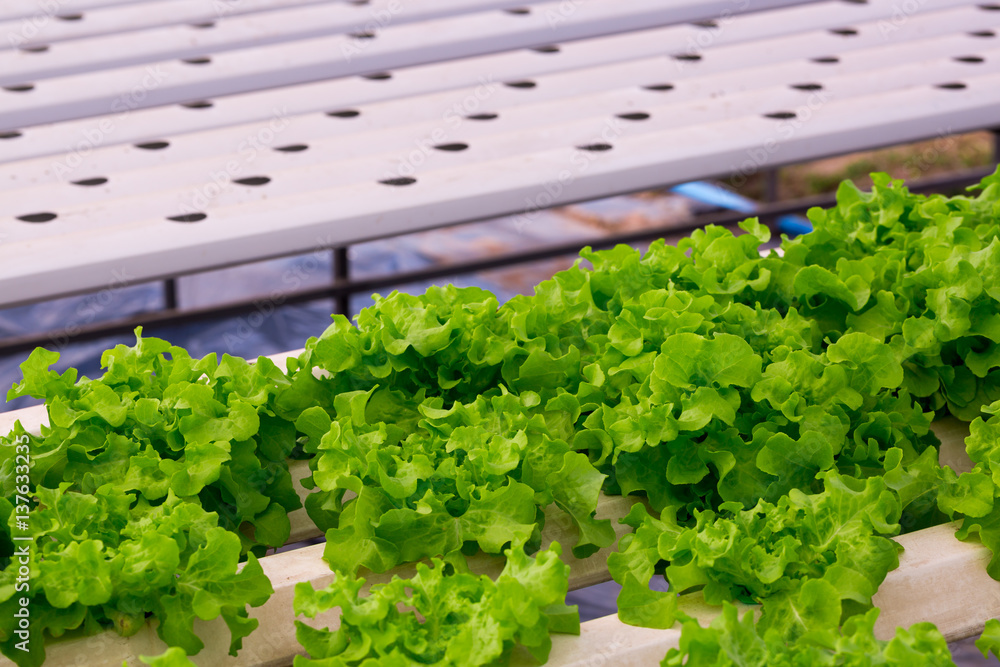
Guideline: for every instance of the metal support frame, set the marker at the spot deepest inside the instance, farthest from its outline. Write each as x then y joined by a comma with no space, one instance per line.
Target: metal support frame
170,294
771,180
341,276
343,287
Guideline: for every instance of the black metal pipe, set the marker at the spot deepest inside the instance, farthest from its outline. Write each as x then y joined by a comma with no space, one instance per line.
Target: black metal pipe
342,274
771,185
170,294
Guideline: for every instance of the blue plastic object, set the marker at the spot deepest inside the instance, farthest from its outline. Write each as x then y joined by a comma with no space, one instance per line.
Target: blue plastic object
716,195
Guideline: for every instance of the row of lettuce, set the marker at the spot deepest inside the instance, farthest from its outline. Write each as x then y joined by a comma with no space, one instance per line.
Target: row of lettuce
773,411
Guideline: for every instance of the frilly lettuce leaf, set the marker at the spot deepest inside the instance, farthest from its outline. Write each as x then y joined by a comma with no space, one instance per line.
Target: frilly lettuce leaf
919,272
425,485
158,420
98,563
451,617
732,641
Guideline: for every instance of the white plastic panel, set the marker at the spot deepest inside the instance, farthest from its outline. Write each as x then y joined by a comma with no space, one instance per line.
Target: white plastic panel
55,20
525,122
61,98
556,126
18,9
90,246
229,33
736,38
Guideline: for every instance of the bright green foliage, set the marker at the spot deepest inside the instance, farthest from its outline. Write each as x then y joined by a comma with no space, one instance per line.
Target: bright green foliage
733,642
173,657
673,388
803,414
464,619
762,553
153,482
920,272
645,365
97,562
774,412
159,420
429,479
807,559
974,494
447,341
989,642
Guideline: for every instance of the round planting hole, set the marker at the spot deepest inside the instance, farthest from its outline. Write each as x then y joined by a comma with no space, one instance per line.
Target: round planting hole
826,60
845,32
706,24
551,48
188,217
660,87
377,76
596,148
990,7
954,85
688,57
12,134
983,33
20,88
253,180
37,217
807,86
41,48
344,113
780,115
362,34
91,182
635,115
520,84
973,60
153,145
200,60
518,11
204,25
483,116
69,17
292,148
200,104
399,181
452,148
